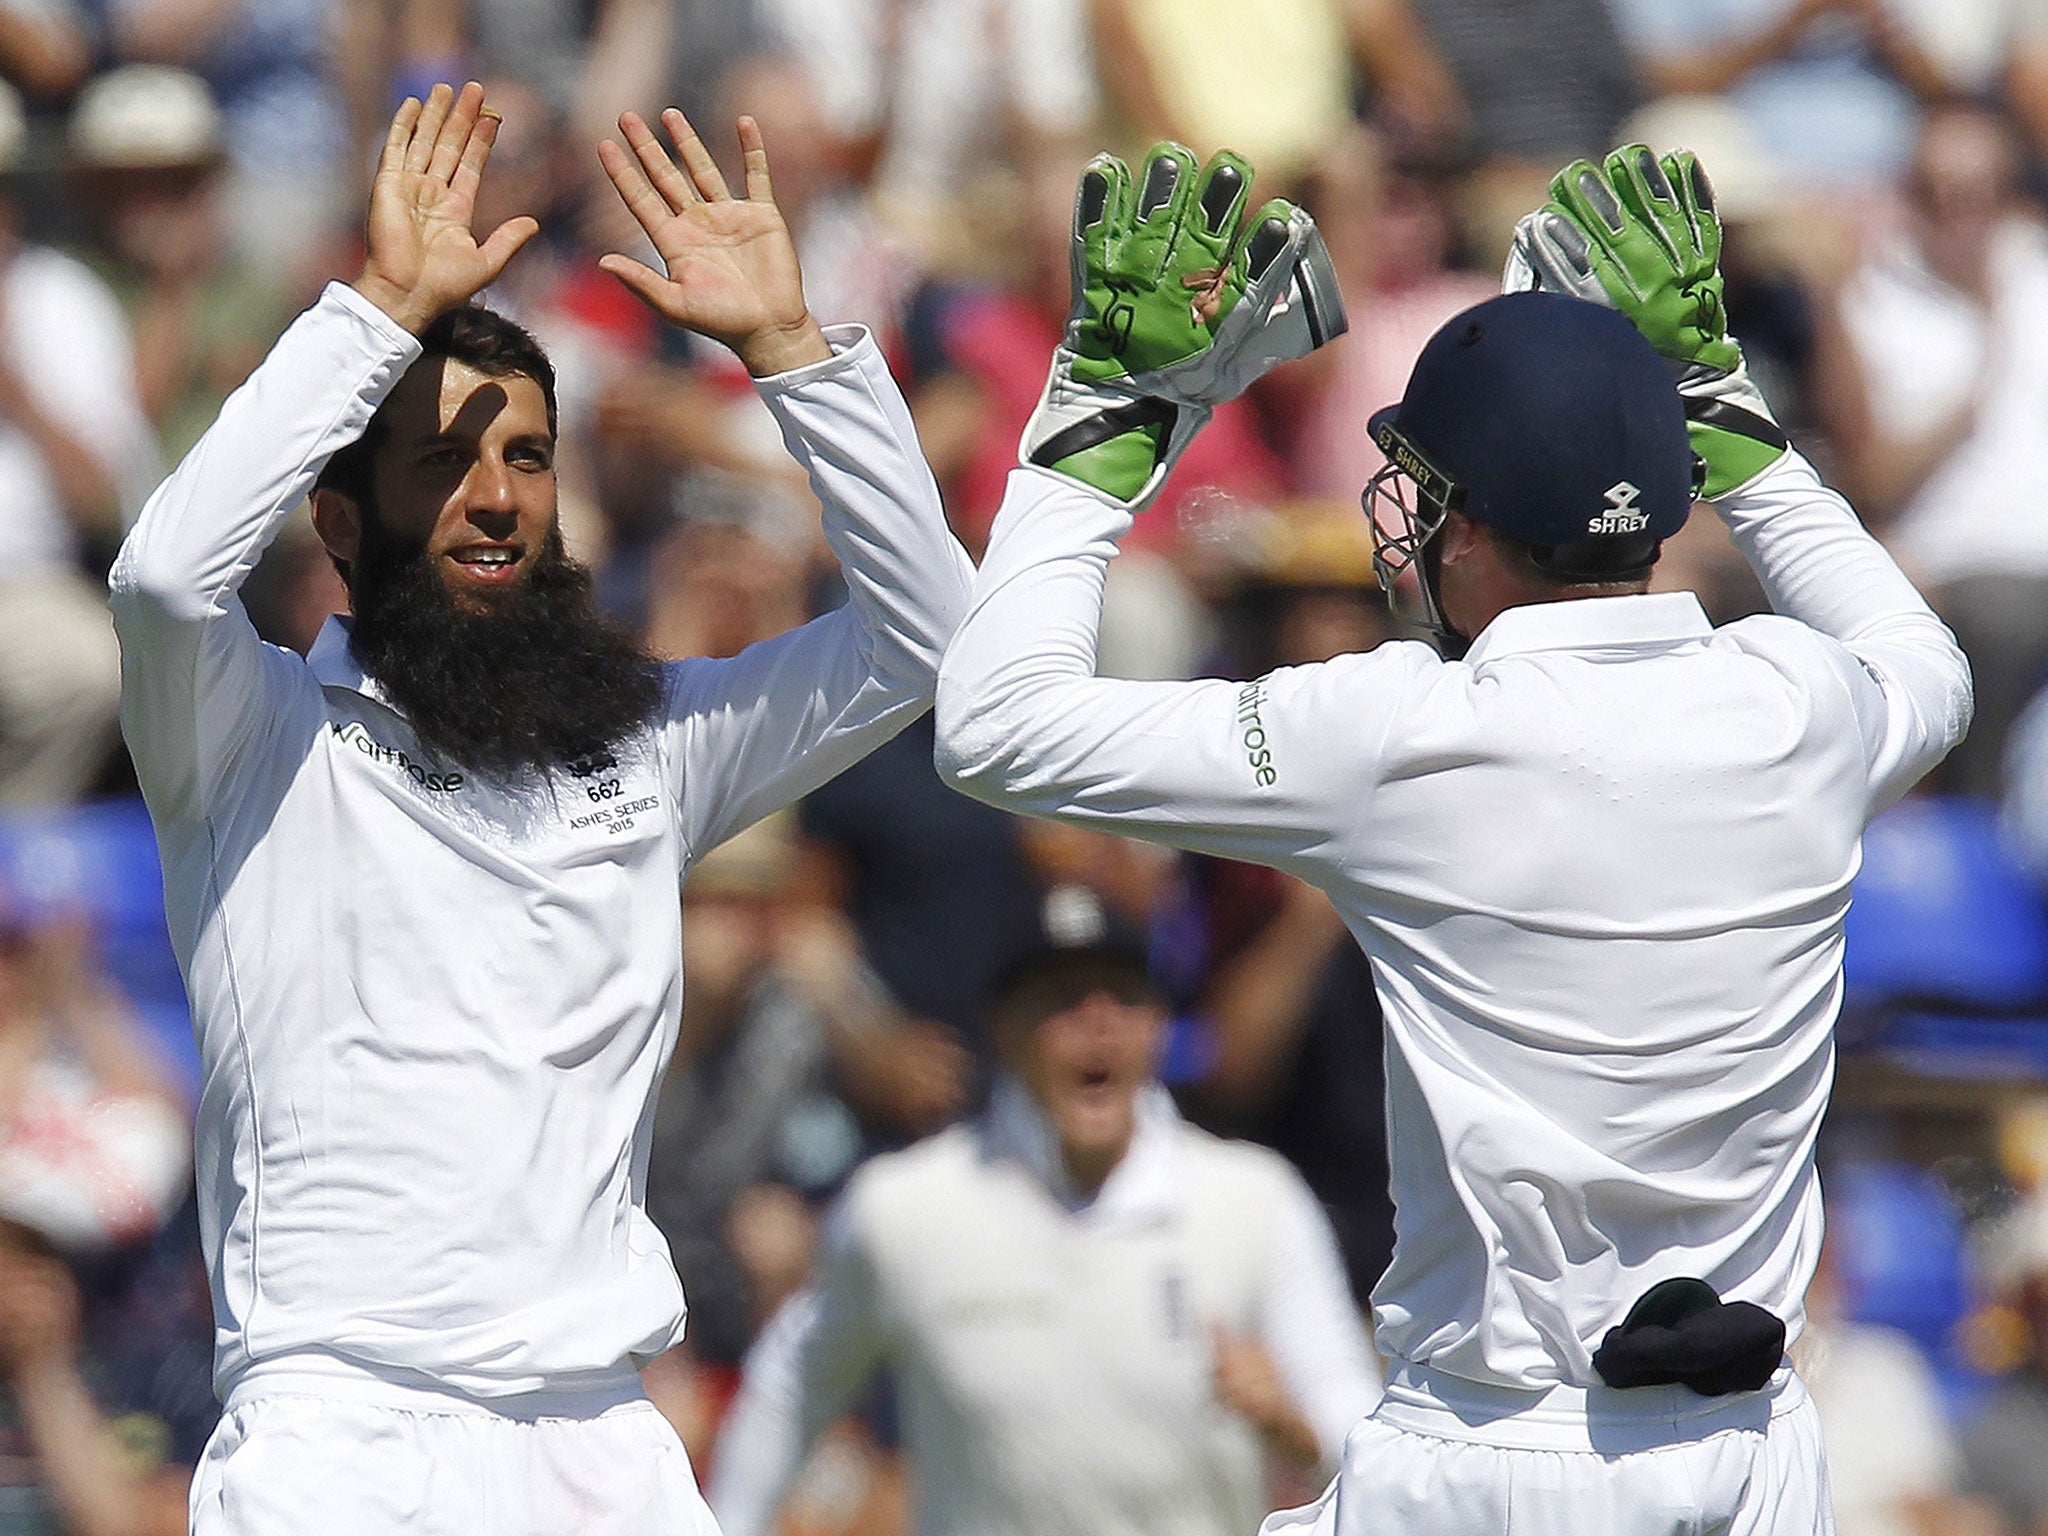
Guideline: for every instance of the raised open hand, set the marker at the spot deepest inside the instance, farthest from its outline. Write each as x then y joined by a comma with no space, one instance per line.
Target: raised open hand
422,257
732,269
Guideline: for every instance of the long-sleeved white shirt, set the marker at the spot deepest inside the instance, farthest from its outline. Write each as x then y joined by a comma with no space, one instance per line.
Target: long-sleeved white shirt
433,1013
1599,866
1055,1357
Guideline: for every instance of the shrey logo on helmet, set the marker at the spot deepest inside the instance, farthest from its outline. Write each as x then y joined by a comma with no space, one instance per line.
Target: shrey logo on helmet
1621,515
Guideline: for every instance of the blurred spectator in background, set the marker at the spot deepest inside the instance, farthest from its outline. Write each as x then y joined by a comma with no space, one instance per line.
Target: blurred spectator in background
646,54
2024,812
1276,83
938,892
276,67
1067,1291
45,47
1835,88
570,51
93,1146
2025,65
75,452
790,1059
76,1460
1138,888
1831,86
1546,79
294,589
1947,456
146,149
1389,226
105,1361
715,588
2003,1447
929,97
1893,1467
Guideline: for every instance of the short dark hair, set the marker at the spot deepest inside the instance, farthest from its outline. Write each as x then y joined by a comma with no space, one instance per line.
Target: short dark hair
469,334
1051,978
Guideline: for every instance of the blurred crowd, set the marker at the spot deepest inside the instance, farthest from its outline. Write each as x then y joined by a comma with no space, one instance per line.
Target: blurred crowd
178,178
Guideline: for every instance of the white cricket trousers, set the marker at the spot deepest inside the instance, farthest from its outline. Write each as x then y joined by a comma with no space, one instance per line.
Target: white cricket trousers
1445,1457
341,1457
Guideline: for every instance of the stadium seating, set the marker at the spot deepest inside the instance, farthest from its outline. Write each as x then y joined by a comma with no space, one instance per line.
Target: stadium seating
1947,965
100,859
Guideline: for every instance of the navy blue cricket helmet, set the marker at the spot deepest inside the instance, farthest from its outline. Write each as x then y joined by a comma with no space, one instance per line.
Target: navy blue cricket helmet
1548,419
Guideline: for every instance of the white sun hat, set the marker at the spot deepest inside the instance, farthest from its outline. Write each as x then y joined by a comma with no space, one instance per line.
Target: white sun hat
144,117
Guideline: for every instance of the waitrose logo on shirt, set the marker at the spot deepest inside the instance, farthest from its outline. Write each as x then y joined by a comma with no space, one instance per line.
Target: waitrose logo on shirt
356,736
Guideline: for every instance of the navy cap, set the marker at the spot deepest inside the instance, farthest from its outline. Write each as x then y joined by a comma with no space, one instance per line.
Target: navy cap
1079,947
1552,420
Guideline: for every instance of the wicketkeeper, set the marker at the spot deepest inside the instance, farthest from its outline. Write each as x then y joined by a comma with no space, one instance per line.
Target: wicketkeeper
1597,850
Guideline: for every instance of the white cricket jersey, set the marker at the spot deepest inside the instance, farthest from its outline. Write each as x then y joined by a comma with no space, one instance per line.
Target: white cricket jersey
1054,1358
1599,866
432,1013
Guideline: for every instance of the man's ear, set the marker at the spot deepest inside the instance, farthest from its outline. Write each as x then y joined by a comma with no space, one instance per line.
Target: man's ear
339,522
1459,539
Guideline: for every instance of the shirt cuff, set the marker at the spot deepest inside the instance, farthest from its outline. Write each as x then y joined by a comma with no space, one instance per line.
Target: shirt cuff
398,341
853,346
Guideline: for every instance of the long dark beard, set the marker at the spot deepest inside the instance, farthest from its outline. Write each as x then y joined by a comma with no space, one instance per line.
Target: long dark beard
528,680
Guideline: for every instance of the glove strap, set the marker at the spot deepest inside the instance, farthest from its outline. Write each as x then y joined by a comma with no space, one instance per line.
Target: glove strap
1731,427
1142,415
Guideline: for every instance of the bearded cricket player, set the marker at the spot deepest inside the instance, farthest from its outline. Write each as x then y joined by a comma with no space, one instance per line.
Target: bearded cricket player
423,882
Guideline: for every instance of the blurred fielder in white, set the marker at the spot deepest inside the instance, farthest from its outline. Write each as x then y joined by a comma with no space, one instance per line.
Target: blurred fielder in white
1100,1320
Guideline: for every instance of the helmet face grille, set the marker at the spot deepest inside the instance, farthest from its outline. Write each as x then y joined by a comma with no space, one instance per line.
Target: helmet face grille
1405,505
1401,521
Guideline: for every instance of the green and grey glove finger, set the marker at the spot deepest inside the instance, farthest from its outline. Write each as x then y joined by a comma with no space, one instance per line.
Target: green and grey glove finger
1166,195
1281,303
1647,198
1684,318
1102,204
1688,179
1138,308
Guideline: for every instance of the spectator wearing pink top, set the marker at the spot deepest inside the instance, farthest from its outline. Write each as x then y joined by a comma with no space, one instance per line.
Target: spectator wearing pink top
1390,235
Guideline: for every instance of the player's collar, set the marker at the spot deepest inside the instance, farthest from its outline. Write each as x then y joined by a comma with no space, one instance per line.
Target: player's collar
335,665
1145,1187
1648,618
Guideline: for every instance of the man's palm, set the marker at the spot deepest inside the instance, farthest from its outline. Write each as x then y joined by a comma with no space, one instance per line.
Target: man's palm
422,257
419,232
732,270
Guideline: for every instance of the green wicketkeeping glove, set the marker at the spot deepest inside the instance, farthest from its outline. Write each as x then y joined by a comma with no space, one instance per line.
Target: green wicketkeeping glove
1639,234
1140,369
